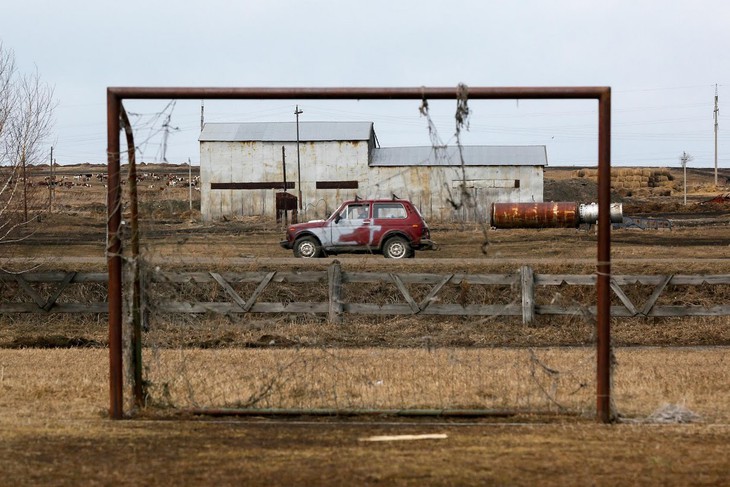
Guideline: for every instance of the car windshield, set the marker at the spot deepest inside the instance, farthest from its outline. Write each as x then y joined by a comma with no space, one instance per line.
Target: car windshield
338,211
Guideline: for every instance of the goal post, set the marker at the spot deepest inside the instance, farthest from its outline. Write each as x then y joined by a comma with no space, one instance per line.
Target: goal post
116,95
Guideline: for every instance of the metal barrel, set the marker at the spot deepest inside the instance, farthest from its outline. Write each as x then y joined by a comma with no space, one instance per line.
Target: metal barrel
535,215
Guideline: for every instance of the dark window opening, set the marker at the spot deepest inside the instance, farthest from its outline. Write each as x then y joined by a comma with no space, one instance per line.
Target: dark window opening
258,185
337,185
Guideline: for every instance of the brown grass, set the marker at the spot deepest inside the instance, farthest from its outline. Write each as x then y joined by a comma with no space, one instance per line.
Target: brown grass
72,383
208,331
532,380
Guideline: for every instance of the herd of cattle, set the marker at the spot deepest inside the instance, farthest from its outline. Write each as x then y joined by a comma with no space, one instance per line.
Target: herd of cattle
151,180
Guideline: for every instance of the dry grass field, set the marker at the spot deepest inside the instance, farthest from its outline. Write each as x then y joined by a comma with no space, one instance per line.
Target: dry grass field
671,382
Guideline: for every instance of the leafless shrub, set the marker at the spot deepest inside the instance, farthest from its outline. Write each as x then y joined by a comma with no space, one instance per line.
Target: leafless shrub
26,121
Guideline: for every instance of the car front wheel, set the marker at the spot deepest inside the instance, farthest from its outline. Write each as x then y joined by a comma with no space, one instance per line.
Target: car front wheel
397,248
307,247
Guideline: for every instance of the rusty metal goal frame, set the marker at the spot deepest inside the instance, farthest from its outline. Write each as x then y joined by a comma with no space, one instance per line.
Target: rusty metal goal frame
116,95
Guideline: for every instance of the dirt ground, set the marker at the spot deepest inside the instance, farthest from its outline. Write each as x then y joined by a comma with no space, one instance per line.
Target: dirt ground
53,403
264,452
54,431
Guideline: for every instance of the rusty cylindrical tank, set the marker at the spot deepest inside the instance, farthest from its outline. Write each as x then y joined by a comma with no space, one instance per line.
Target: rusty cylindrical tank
535,215
549,215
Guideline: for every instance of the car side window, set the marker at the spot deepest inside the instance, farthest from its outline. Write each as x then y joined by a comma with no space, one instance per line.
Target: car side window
389,210
357,212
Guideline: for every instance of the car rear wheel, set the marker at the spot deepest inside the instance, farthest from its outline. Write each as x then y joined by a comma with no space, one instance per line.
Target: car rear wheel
307,247
397,248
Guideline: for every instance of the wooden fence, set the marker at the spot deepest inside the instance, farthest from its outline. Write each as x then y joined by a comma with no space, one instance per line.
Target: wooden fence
523,284
59,281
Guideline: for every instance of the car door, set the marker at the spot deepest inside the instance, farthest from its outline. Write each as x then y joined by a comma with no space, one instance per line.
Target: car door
387,217
352,228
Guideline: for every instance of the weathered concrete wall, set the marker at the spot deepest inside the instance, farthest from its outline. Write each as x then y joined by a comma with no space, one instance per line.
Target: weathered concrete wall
475,189
430,188
231,162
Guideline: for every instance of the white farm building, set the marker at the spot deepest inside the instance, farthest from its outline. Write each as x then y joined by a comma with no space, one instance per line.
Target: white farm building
243,167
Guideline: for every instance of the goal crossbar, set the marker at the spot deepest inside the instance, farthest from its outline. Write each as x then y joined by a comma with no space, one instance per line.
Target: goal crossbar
115,96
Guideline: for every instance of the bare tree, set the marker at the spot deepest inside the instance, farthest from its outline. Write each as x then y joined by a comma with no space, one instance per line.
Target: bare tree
26,122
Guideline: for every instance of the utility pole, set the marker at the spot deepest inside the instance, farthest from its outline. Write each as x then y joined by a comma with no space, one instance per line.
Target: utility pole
285,194
165,135
190,186
297,111
716,112
166,127
202,114
685,158
50,185
283,165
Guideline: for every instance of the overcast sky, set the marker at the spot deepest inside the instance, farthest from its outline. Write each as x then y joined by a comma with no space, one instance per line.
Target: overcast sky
662,60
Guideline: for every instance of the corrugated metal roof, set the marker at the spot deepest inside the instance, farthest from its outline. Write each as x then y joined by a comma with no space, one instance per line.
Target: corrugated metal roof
286,131
474,155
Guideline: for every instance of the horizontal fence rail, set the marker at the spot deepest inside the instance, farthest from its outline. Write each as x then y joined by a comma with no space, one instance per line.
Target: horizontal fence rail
523,285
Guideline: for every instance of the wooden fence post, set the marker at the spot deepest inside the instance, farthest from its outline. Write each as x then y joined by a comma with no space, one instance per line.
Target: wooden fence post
334,278
527,280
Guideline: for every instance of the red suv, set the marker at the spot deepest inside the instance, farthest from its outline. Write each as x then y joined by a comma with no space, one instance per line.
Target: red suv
393,228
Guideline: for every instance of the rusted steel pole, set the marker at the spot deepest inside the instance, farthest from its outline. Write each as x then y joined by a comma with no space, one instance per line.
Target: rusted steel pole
603,267
416,93
408,413
136,335
114,258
